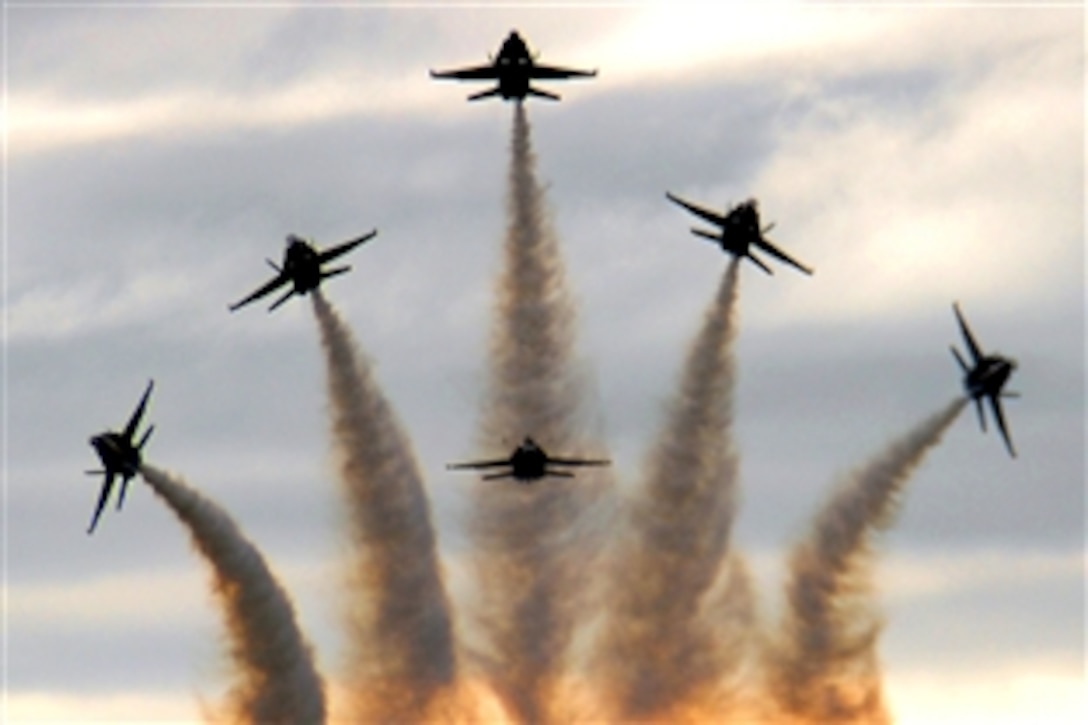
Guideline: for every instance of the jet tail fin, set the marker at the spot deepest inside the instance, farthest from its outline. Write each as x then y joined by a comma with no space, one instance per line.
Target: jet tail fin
981,415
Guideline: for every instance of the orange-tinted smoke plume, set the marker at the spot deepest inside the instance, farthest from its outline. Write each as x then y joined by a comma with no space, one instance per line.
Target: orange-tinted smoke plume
823,667
278,682
403,650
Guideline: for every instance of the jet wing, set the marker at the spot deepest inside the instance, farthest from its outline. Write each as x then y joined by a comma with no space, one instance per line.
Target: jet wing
780,255
339,249
275,283
107,486
138,414
483,72
706,214
999,416
543,72
976,354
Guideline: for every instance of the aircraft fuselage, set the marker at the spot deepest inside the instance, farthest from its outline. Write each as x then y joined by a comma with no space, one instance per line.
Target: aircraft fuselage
302,264
529,463
989,376
116,453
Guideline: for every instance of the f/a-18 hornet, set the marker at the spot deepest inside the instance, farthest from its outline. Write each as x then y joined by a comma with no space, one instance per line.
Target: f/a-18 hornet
529,462
514,68
121,456
739,232
302,269
984,378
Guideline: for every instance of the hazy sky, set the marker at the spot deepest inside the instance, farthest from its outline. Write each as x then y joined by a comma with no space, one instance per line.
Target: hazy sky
914,154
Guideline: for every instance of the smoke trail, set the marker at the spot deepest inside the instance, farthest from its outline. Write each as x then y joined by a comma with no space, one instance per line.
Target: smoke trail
525,537
825,669
279,683
403,651
660,653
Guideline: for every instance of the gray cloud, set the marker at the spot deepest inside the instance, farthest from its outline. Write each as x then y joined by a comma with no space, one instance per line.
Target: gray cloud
141,241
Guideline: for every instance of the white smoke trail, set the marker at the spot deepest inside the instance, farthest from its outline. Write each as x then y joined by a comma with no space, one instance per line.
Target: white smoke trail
527,539
403,649
662,654
279,683
824,669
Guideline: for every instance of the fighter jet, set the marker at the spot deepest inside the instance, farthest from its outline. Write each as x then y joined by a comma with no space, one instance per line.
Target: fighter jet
739,232
529,462
121,456
302,269
985,378
514,68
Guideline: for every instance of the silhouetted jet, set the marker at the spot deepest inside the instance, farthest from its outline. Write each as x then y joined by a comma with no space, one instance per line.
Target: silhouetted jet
514,68
528,463
302,269
985,378
739,232
120,456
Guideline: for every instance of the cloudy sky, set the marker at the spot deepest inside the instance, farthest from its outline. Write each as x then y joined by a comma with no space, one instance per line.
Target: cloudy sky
913,153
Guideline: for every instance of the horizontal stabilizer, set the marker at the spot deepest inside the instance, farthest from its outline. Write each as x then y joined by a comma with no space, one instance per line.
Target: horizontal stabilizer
286,296
759,263
542,94
484,94
959,358
274,266
333,272
143,440
716,238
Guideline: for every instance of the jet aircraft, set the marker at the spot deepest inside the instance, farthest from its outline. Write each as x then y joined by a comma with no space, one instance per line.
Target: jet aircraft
302,269
514,68
984,378
121,456
529,462
739,232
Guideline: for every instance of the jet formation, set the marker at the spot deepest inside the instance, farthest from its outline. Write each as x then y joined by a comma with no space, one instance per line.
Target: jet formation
120,455
302,269
514,68
738,231
985,377
528,462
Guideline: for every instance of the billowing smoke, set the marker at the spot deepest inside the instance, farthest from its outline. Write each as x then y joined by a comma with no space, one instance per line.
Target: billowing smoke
403,656
660,651
278,682
676,631
823,668
526,537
